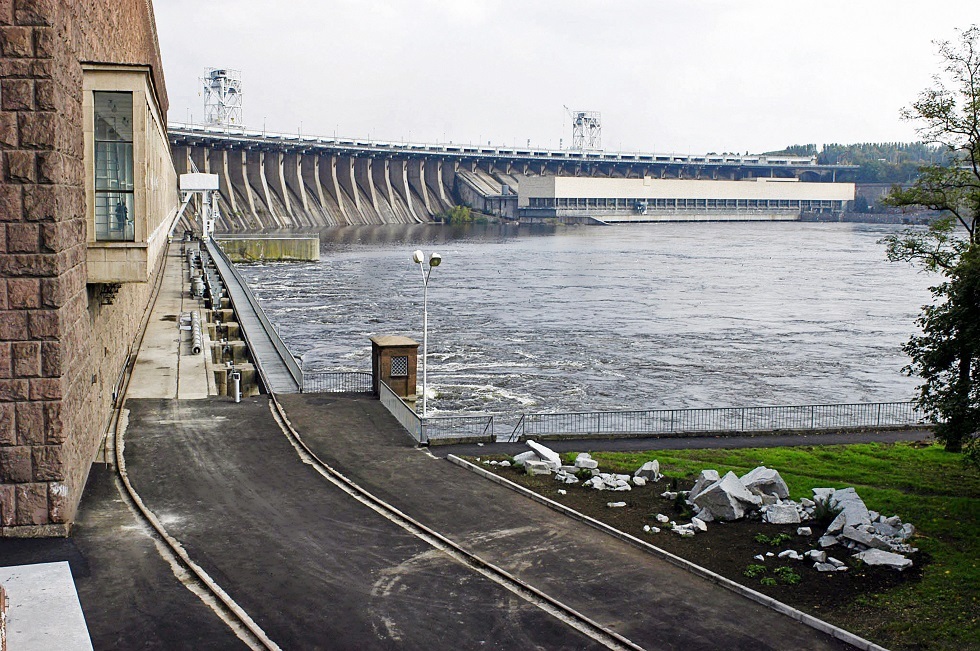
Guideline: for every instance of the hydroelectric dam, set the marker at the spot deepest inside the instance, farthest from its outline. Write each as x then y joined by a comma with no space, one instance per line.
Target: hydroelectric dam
294,182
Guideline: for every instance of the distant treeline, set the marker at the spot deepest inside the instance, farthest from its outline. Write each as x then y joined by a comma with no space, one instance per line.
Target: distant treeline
879,162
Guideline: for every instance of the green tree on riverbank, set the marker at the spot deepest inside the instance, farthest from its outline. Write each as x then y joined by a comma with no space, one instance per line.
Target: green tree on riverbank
947,354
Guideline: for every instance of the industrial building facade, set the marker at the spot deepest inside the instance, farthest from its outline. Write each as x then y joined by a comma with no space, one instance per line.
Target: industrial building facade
651,199
87,193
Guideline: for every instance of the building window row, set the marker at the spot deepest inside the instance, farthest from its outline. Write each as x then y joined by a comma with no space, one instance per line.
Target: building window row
631,204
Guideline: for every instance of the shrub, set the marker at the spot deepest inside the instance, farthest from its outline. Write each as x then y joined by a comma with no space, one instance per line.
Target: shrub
753,571
826,510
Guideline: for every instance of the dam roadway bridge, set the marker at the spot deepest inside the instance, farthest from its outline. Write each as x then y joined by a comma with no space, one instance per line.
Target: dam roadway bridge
289,181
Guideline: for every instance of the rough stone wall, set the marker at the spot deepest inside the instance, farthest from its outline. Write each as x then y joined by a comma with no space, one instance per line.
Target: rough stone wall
60,350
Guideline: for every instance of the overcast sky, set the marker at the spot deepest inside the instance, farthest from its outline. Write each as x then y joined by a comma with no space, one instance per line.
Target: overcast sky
680,75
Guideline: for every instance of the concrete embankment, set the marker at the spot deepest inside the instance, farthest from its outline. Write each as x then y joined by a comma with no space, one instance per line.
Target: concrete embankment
268,249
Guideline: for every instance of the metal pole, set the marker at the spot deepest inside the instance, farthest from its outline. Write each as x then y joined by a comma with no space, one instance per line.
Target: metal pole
425,338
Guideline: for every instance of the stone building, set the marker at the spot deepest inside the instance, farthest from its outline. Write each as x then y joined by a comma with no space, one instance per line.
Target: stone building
87,196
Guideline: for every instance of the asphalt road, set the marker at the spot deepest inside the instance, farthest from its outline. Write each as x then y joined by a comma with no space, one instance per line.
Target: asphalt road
649,601
313,567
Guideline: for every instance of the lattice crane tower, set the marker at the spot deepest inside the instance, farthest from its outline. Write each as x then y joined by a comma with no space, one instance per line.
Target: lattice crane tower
586,129
222,97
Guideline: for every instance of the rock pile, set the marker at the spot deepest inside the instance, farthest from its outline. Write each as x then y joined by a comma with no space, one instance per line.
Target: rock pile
760,493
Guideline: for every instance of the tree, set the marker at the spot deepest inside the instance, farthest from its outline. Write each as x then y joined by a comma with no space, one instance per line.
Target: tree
947,354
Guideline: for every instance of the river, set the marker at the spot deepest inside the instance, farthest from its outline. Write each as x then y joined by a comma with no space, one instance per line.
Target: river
616,317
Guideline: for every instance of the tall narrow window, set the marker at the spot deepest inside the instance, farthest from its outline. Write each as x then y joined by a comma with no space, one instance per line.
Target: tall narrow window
114,166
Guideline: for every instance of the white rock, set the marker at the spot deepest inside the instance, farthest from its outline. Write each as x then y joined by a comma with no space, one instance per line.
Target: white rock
639,481
874,515
646,528
615,505
818,556
727,498
699,524
833,561
705,515
562,491
547,454
493,463
804,531
682,532
705,479
807,503
524,457
770,554
827,541
649,470
662,518
824,567
654,529
667,495
590,464
782,514
765,481
505,464
888,559
791,554
854,511
537,468
759,557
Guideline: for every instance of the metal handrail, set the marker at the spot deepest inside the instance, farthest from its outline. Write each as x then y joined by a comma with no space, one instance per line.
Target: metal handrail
720,419
337,382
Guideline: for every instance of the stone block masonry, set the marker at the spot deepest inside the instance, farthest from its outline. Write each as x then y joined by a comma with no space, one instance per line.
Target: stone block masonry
61,350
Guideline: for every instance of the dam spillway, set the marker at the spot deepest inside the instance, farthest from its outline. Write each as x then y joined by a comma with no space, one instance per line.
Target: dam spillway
293,182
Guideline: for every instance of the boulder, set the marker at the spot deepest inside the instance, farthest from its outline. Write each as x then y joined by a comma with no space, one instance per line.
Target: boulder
650,470
699,524
888,559
547,454
765,481
590,464
791,554
804,531
827,541
524,457
662,518
537,468
727,498
853,513
639,481
815,555
782,514
705,479
824,567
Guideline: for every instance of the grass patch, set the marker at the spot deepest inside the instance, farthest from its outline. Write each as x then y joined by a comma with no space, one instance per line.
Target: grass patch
926,486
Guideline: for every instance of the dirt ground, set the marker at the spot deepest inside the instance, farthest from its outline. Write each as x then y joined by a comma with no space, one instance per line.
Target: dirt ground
728,548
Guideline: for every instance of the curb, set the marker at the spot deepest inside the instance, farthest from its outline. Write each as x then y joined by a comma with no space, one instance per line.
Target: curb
809,620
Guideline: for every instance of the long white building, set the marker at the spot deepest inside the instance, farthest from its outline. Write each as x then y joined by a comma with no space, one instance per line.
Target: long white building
651,199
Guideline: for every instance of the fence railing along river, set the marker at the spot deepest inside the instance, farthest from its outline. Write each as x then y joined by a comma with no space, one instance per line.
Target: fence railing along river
712,421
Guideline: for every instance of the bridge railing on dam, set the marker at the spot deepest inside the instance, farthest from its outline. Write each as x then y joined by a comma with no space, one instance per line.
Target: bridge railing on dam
720,420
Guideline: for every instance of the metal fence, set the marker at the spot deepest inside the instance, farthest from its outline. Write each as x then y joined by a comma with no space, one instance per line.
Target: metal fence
337,381
723,419
402,412
458,428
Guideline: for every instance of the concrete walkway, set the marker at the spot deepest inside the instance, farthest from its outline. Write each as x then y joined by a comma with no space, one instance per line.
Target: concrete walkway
649,601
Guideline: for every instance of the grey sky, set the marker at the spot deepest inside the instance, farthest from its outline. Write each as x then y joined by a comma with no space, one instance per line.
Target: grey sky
677,75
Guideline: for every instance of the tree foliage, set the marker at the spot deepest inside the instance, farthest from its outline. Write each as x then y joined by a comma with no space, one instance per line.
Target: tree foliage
946,356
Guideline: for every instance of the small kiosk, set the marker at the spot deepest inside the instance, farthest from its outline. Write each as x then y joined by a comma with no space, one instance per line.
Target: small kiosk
394,361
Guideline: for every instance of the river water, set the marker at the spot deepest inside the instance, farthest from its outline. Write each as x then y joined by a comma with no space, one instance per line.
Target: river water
616,317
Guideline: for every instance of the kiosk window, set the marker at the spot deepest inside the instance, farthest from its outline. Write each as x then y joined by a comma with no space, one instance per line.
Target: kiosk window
399,366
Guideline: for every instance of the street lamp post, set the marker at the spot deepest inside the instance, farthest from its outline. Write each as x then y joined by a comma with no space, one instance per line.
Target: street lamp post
434,260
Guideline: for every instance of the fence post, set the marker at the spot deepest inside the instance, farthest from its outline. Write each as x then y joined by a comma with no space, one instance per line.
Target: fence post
811,416
878,419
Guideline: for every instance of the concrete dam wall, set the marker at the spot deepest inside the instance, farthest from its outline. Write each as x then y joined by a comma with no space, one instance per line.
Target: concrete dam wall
263,190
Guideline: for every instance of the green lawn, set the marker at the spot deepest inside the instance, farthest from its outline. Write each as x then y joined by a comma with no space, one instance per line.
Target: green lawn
926,486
